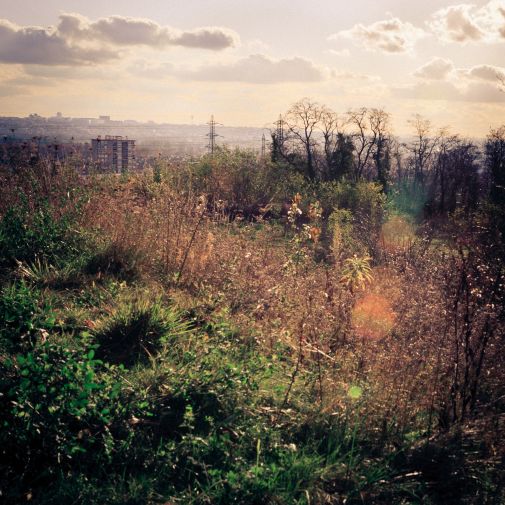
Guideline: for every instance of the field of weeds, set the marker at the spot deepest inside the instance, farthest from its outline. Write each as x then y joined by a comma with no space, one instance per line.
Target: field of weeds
225,332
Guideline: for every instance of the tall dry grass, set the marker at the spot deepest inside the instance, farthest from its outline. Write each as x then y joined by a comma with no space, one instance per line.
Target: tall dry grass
393,336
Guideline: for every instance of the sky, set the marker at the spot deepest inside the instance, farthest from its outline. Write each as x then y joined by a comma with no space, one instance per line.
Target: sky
179,61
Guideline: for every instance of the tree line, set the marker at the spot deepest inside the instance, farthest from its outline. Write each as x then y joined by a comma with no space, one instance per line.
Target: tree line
443,170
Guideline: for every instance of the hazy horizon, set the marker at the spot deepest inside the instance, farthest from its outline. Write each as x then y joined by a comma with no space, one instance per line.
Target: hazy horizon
245,63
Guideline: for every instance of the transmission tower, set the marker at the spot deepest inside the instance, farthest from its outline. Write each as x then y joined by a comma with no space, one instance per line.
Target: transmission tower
278,139
212,134
279,130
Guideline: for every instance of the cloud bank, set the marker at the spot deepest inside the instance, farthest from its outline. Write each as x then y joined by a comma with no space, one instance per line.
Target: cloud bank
439,79
257,69
128,31
31,44
77,40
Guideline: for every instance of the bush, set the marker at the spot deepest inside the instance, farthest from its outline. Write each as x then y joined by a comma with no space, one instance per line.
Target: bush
115,260
27,235
24,317
341,228
242,183
136,330
58,404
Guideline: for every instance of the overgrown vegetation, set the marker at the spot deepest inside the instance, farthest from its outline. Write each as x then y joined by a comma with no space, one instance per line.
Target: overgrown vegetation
321,327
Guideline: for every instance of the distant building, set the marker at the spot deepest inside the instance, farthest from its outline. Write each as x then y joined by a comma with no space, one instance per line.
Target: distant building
114,154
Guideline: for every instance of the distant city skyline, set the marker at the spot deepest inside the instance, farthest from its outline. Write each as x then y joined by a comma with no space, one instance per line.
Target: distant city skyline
246,62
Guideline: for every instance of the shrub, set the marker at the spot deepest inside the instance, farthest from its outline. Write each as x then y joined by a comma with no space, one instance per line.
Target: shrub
115,260
58,404
24,317
27,235
243,183
343,242
136,330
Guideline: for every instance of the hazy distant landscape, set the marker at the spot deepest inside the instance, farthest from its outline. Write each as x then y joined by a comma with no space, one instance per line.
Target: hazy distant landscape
150,136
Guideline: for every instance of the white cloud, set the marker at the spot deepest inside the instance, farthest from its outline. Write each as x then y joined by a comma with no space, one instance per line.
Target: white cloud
478,92
489,73
441,69
435,69
456,24
341,53
258,69
440,80
391,35
465,23
257,46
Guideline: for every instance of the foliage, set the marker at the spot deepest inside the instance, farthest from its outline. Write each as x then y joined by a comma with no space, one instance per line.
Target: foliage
115,260
356,272
59,404
343,240
240,183
25,317
30,234
136,329
184,336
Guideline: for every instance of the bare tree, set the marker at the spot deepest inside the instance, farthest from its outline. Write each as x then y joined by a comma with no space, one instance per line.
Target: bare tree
438,186
495,165
370,127
380,127
302,120
330,130
424,146
363,140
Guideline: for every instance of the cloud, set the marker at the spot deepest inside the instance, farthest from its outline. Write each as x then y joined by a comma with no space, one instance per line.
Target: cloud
128,31
489,73
483,92
436,69
456,24
32,44
465,23
257,46
391,35
258,69
341,53
442,81
478,92
441,69
73,73
76,40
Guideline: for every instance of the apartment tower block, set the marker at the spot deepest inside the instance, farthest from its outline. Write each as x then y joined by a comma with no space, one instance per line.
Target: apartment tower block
114,153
